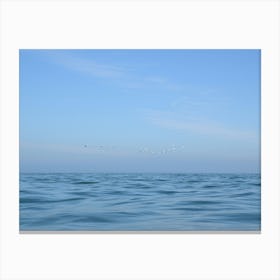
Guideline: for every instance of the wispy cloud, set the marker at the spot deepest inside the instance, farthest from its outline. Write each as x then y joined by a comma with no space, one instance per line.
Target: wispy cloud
86,66
156,80
122,75
197,100
191,124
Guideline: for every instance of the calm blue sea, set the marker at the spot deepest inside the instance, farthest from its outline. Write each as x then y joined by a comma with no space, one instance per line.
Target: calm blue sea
140,202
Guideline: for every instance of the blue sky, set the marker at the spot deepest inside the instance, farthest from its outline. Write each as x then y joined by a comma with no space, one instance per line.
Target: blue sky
139,110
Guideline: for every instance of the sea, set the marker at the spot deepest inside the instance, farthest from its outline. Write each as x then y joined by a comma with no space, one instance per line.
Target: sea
142,202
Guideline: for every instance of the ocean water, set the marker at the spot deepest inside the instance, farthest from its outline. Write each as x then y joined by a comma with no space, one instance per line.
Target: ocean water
139,202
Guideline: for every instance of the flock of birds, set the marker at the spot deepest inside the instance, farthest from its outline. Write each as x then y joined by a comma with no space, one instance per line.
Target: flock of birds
163,151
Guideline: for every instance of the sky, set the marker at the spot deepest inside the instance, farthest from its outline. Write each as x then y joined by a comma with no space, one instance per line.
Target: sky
139,110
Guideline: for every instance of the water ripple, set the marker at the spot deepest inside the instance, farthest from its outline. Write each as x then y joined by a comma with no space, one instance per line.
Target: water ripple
88,201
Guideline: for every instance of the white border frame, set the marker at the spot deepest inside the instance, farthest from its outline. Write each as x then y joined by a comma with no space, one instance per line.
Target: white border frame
140,24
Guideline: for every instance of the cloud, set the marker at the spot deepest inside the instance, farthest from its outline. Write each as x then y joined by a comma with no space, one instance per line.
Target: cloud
200,101
122,76
163,83
156,80
170,120
87,66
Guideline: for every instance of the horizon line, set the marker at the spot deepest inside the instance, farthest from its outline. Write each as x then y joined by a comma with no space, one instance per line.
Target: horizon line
158,172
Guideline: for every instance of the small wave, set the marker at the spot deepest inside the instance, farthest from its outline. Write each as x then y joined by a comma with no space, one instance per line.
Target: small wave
255,184
138,186
120,203
189,209
84,194
245,217
85,183
117,192
204,202
93,219
166,192
31,200
41,200
210,186
242,194
126,214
